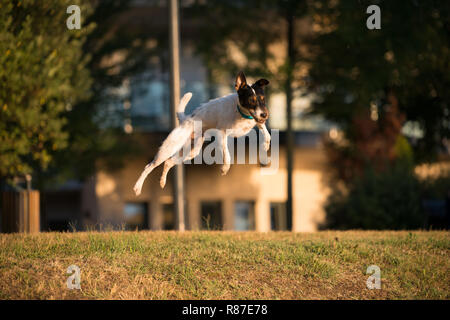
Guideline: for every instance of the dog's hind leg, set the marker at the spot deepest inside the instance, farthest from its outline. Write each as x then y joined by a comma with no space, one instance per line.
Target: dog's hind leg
172,161
172,144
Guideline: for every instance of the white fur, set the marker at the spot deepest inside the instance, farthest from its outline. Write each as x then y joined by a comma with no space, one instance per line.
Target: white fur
221,114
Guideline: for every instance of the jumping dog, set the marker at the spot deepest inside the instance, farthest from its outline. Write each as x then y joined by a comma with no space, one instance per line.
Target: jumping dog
232,115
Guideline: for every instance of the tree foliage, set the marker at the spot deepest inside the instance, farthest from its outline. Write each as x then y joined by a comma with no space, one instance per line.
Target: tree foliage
43,74
354,69
371,82
55,84
387,200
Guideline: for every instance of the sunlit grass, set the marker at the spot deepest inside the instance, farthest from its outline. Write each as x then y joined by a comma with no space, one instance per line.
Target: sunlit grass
225,265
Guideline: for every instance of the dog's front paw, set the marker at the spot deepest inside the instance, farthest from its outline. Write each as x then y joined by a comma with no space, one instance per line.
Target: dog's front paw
266,145
224,169
162,182
137,189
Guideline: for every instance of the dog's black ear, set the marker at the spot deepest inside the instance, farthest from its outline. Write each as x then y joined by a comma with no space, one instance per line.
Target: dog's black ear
261,83
240,81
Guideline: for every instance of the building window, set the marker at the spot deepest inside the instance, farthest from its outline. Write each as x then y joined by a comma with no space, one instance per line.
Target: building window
279,219
168,216
244,215
136,215
211,215
170,220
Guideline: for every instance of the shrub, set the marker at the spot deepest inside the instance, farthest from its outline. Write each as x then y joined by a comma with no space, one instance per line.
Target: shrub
378,200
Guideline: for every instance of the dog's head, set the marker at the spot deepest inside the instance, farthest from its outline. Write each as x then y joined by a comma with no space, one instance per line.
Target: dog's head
252,97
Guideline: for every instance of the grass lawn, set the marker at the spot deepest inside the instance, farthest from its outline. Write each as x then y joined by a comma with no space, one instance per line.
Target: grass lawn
225,265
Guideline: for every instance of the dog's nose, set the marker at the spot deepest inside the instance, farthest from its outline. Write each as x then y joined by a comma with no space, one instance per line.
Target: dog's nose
264,115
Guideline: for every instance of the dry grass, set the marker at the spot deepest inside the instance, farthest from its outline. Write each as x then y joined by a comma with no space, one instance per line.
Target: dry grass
225,265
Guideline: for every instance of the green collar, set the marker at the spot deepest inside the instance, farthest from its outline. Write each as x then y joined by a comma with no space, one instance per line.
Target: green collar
243,114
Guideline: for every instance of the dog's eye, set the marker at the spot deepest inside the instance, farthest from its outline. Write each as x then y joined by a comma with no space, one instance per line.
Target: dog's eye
252,99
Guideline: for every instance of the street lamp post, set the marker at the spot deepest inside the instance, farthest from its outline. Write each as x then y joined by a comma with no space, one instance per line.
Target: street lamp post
178,186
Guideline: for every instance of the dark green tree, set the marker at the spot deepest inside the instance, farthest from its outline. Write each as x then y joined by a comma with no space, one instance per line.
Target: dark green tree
376,201
55,86
371,82
354,70
43,72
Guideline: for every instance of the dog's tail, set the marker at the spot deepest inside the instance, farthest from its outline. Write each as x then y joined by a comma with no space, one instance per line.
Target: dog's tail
183,103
